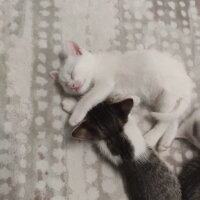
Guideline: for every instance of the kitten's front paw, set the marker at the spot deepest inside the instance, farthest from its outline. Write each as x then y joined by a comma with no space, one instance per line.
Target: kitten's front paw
75,119
68,104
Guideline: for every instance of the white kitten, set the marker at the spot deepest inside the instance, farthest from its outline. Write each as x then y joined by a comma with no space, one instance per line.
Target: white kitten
156,78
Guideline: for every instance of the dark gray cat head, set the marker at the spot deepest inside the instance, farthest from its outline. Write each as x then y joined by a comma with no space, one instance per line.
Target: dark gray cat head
105,123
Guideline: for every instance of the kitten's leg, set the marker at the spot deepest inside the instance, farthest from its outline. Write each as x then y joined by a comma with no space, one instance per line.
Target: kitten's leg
68,103
168,136
166,103
153,136
96,95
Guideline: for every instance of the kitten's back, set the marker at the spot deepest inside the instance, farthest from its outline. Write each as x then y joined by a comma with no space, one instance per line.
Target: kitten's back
151,180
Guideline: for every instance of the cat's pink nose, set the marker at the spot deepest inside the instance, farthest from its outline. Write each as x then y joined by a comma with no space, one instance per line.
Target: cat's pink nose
72,86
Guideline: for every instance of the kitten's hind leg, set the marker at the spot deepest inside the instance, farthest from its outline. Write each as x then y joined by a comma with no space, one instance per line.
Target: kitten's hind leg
166,103
154,135
168,136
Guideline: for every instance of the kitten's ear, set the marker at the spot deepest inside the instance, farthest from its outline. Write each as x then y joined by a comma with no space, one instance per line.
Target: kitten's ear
124,107
86,132
73,49
54,75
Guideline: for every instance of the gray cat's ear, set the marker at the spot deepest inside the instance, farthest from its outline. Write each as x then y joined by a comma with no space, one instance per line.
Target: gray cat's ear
85,131
73,49
54,75
123,108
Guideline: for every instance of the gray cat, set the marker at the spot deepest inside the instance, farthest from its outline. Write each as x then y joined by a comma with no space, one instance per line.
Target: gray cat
190,175
146,177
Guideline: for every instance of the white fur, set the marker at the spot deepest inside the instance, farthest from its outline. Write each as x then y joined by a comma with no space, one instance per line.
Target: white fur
83,75
182,106
136,138
106,152
156,78
68,104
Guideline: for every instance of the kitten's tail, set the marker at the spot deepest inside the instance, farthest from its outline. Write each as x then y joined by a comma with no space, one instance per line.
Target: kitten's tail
176,113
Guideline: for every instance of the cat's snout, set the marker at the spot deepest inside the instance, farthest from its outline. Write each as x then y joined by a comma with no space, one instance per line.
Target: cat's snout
72,86
75,86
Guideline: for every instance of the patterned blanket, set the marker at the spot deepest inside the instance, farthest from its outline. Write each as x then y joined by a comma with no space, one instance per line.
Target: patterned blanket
38,158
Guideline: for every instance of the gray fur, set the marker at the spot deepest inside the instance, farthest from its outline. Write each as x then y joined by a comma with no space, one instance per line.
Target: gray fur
146,179
190,175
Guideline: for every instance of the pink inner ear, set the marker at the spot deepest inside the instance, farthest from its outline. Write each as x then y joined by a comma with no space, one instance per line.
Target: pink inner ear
73,49
54,75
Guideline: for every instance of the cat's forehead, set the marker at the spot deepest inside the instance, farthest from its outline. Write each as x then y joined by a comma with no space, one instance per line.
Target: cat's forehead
71,62
104,116
67,68
102,111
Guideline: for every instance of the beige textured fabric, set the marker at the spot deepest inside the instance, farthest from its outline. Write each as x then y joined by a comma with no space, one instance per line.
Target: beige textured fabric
37,161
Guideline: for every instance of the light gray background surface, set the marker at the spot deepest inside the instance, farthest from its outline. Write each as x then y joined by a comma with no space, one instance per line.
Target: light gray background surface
36,161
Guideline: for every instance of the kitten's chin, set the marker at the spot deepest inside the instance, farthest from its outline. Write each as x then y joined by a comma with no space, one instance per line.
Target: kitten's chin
82,90
71,92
